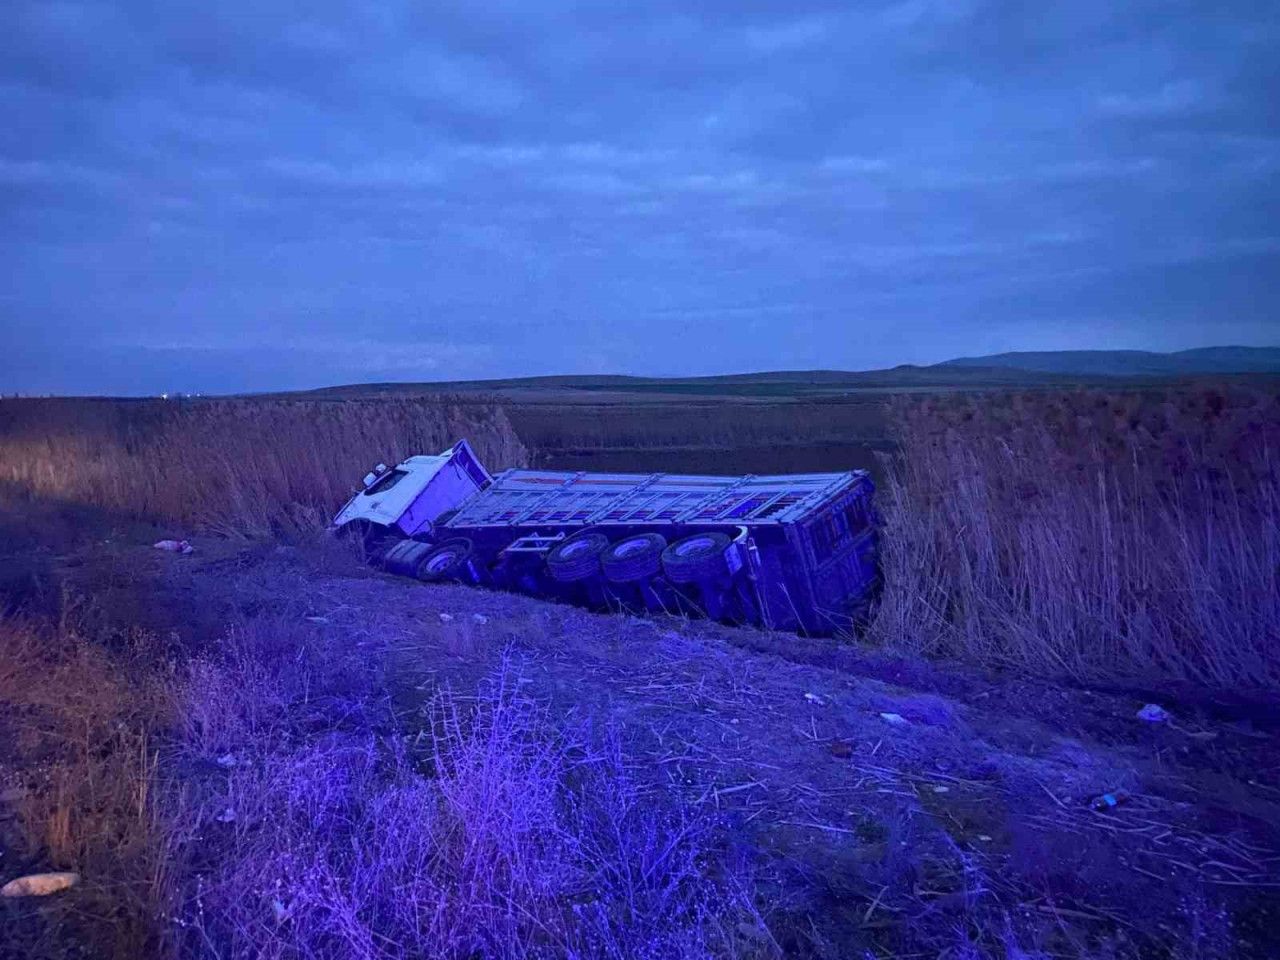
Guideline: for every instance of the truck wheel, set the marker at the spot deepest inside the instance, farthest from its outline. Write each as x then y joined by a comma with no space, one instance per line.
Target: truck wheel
634,558
446,562
577,558
700,557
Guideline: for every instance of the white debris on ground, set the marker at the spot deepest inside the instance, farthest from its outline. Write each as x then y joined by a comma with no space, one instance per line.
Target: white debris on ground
39,884
174,546
1153,713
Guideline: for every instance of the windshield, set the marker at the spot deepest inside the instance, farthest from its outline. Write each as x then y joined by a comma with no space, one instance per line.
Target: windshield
385,482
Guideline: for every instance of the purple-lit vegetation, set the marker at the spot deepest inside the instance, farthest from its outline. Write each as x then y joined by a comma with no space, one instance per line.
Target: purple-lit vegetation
259,750
247,467
484,828
1099,536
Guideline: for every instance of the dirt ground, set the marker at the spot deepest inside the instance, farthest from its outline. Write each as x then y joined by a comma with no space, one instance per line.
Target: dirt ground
873,794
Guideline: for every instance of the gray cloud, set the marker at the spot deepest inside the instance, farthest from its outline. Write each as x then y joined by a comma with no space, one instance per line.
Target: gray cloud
251,196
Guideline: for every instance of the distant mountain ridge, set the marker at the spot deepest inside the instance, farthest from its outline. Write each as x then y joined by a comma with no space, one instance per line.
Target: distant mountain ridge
1129,363
996,371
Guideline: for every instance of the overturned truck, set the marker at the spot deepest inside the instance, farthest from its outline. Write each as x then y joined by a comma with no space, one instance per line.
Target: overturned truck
793,552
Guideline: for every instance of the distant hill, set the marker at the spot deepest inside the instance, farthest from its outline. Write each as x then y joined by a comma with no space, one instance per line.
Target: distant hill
997,371
1133,363
783,383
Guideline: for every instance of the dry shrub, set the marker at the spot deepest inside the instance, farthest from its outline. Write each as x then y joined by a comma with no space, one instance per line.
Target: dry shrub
1101,536
80,726
250,466
491,831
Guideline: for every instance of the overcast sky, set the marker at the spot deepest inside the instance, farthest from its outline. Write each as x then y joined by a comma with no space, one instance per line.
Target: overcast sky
253,195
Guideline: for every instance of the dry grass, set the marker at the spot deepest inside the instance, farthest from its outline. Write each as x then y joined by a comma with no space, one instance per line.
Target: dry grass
549,428
243,467
267,801
81,725
288,795
485,828
1102,536
343,774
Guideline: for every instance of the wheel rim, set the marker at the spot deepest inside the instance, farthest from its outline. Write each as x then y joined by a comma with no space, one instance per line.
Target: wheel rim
441,562
693,545
629,548
574,549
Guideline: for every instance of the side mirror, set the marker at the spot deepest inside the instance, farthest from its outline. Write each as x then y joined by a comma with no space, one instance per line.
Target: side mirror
369,478
380,468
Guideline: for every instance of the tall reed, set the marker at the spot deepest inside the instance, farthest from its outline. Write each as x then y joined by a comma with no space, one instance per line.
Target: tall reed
1090,535
246,466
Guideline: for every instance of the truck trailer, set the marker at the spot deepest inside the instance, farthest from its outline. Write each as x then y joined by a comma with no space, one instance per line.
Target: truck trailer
788,552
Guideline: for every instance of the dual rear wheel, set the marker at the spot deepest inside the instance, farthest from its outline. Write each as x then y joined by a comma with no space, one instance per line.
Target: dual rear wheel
638,557
696,558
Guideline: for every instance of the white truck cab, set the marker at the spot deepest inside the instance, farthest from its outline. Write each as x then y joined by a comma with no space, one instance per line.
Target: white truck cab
418,490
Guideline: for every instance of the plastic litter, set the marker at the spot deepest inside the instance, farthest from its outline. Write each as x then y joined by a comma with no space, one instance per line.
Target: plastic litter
1109,801
1153,713
39,884
174,546
895,718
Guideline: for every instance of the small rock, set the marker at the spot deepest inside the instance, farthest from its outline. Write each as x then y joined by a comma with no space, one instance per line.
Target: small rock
479,618
226,761
1153,713
895,718
39,884
446,618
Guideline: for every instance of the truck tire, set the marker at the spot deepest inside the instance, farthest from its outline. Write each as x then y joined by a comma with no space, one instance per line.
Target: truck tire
404,557
449,561
634,558
577,558
699,557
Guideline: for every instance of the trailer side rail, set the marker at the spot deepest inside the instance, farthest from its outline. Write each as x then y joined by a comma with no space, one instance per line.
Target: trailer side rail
552,498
